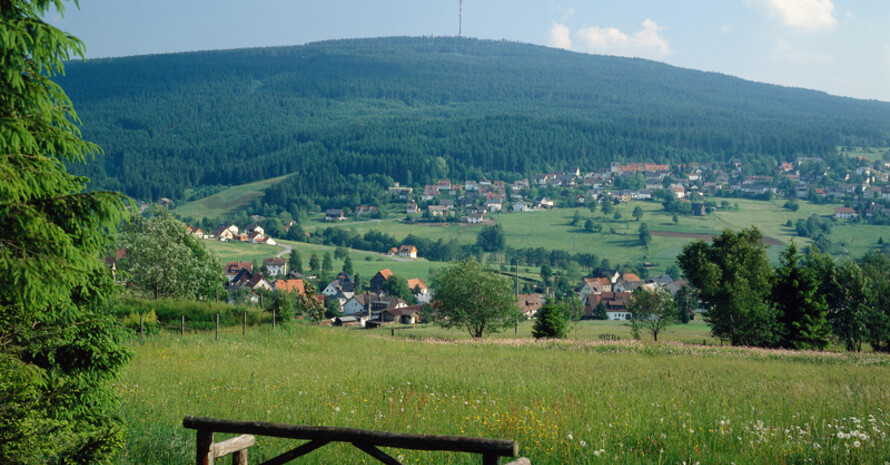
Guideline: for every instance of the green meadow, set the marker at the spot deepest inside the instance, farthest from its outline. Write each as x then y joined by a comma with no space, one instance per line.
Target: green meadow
367,264
227,200
618,241
565,402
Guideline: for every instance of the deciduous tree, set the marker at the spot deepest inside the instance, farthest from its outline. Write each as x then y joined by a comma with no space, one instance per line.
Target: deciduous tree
734,279
472,297
164,261
652,310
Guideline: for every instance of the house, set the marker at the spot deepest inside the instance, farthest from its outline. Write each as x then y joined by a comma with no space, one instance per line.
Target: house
529,304
543,202
614,302
420,291
275,266
256,238
408,251
232,269
844,213
377,281
404,315
372,303
401,192
494,205
226,232
438,210
412,209
356,319
595,286
334,214
475,218
521,206
444,185
698,209
429,193
290,285
367,211
255,228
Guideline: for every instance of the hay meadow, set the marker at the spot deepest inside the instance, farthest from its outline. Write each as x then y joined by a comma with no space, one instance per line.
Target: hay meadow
575,401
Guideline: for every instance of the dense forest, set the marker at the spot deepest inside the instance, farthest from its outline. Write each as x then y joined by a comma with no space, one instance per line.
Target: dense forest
350,116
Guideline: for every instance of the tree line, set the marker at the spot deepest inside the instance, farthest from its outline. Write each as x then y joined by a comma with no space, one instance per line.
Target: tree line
804,303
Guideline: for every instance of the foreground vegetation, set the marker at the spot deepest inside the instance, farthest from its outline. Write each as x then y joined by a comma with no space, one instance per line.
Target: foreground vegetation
565,402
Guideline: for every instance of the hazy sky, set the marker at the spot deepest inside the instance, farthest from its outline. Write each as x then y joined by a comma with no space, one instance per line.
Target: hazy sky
838,46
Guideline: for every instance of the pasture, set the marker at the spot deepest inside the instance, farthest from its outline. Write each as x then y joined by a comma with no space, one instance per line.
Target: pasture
367,264
618,241
227,200
564,401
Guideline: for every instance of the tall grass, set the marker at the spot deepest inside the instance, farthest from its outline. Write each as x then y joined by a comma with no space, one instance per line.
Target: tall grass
565,402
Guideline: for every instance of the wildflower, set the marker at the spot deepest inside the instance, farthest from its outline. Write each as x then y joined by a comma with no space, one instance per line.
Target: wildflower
571,437
583,443
856,444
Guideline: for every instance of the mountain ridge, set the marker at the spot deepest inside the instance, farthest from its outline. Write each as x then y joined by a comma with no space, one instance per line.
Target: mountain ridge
381,107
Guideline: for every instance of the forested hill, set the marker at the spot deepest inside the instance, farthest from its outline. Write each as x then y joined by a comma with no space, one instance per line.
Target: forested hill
339,112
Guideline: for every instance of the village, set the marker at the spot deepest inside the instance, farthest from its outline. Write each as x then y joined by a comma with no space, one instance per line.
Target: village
603,296
695,185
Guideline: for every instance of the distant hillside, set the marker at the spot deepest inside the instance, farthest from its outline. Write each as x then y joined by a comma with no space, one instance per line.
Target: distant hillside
349,115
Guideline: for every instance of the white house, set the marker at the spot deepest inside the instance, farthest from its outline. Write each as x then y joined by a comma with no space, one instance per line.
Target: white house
275,266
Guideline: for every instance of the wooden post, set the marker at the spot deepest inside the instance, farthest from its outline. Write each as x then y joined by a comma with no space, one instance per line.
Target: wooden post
141,326
273,319
240,457
204,454
182,326
217,326
244,325
392,332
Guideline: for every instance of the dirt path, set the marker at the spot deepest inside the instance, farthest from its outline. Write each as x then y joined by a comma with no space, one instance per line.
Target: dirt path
706,237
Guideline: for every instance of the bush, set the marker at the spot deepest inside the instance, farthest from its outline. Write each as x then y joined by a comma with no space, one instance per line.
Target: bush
149,322
198,315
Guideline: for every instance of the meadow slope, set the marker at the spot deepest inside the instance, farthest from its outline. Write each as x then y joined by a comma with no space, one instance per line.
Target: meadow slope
565,402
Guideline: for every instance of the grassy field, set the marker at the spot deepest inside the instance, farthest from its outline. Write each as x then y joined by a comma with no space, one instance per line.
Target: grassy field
859,239
367,264
564,402
226,201
872,153
552,229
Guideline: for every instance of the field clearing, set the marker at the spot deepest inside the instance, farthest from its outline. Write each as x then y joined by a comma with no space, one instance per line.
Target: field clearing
226,201
367,264
552,229
859,239
564,402
871,153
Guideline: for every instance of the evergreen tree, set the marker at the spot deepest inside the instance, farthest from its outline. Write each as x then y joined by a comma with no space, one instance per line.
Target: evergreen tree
347,266
644,234
314,265
576,218
550,322
295,261
599,312
801,307
327,264
59,345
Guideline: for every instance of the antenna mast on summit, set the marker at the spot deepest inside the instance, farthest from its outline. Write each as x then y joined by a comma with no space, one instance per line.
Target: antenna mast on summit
460,20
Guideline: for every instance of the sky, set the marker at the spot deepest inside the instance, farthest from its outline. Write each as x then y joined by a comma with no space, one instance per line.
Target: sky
841,47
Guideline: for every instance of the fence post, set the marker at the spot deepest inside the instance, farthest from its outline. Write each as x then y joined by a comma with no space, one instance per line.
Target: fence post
273,319
141,326
182,326
217,326
204,455
244,325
